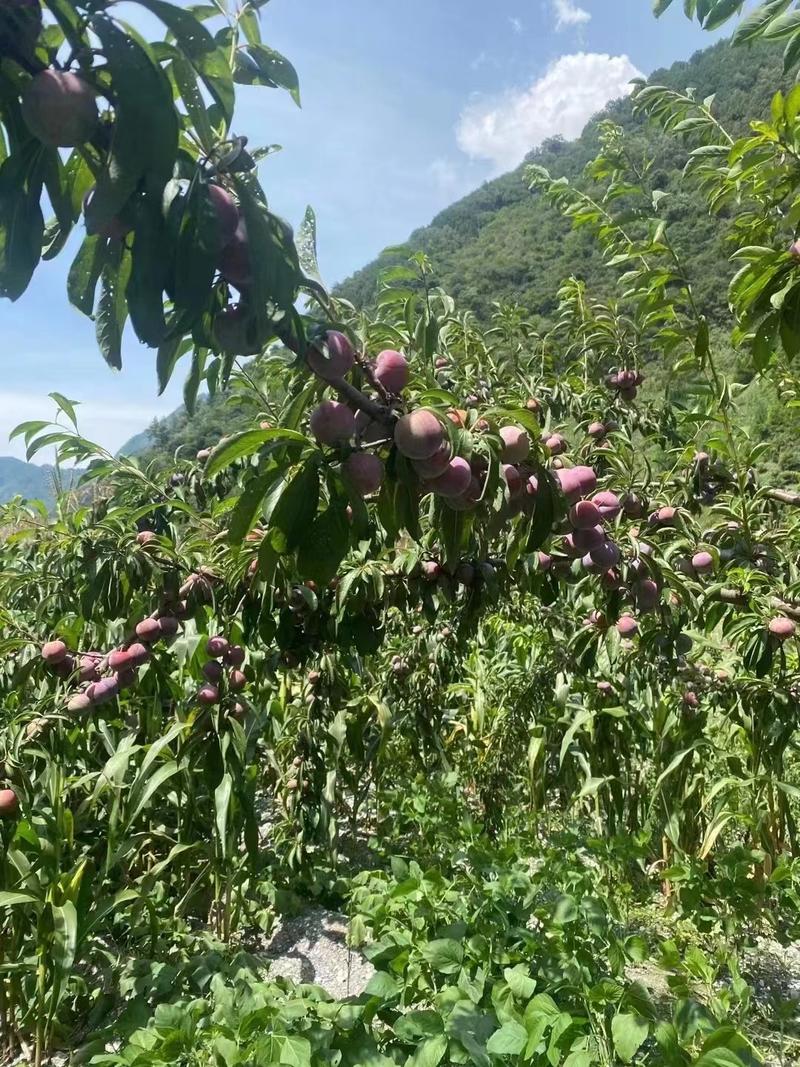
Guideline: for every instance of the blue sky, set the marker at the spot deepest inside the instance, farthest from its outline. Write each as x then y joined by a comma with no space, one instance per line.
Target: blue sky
406,107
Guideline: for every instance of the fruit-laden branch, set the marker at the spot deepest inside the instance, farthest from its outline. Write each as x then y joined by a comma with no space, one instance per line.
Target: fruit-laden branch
784,496
354,396
740,599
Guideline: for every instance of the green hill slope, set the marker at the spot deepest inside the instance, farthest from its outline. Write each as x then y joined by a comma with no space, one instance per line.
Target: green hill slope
29,480
503,242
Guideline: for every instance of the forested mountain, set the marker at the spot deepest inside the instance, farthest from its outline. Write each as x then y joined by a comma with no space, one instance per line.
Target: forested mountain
29,480
504,242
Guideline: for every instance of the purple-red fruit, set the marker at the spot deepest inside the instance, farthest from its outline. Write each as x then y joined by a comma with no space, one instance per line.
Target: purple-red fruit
605,555
234,259
148,630
392,371
664,516
9,804
646,594
584,515
516,444
103,691
80,702
419,435
59,108
436,465
237,680
597,430
545,561
208,695
782,628
455,480
212,671
339,360
703,562
146,537
216,647
234,657
54,652
431,570
513,479
627,626
226,211
586,540
364,472
168,625
332,422
608,504
556,445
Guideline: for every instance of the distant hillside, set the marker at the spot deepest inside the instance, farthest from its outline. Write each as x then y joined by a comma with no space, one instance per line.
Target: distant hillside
30,481
502,242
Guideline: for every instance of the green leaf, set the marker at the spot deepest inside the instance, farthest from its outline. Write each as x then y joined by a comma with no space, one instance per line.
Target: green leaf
295,510
248,506
509,1040
85,272
444,955
248,443
629,1032
306,242
325,544
264,66
194,103
201,49
149,272
11,900
112,310
520,982
429,1053
222,800
197,251
757,21
21,219
67,406
275,268
144,142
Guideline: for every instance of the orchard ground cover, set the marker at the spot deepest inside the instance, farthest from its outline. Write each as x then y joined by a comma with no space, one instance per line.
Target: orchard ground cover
468,634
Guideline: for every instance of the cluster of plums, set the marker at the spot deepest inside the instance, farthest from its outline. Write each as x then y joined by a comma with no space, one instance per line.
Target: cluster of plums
104,675
222,654
626,383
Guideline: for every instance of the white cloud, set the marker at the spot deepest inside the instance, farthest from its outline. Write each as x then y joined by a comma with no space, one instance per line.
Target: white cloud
568,13
503,129
516,24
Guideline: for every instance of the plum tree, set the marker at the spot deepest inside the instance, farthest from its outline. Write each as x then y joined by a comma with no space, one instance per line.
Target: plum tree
59,108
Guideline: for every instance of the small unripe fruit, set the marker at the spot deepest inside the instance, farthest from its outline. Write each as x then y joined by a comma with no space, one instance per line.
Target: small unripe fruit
532,404
60,108
545,561
148,630
9,804
392,371
419,434
340,357
216,647
203,455
208,695
516,444
627,626
782,628
608,504
226,211
332,423
364,472
168,625
703,562
584,515
235,655
54,652
212,671
237,680
455,480
690,699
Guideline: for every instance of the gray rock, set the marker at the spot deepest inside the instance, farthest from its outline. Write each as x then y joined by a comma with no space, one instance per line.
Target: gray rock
312,948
